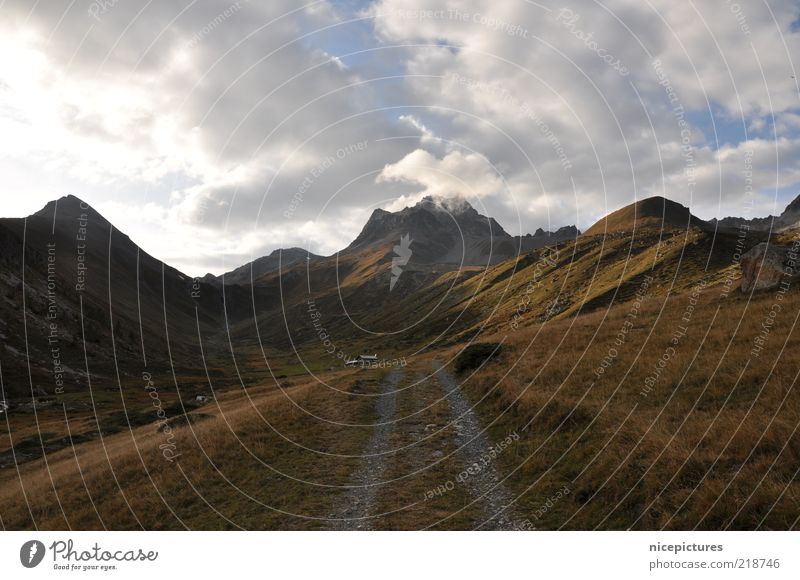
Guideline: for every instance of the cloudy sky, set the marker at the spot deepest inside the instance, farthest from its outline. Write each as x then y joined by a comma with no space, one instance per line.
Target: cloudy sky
214,132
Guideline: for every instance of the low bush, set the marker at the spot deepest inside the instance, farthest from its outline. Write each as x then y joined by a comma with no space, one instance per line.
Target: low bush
475,355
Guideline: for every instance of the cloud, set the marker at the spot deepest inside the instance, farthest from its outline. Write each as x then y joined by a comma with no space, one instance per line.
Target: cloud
455,174
229,129
535,90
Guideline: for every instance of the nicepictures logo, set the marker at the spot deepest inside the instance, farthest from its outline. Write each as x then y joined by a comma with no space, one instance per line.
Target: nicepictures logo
67,557
31,554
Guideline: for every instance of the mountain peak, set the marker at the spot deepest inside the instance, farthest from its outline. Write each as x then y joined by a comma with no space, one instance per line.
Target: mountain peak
276,260
295,251
444,219
452,205
67,208
445,230
653,211
69,204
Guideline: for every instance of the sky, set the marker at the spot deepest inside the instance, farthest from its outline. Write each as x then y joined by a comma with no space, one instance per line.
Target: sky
213,132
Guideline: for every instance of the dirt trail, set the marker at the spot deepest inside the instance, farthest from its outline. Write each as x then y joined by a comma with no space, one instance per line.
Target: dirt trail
484,483
469,468
359,500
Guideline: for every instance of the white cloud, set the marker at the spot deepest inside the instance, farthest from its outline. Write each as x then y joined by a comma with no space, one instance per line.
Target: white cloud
214,122
528,88
456,174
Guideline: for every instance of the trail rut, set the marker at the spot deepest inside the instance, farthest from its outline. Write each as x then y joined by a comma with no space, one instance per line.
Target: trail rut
484,483
360,498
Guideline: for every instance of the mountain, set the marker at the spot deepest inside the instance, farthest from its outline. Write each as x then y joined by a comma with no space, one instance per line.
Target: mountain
277,260
450,231
353,299
575,325
366,287
442,232
792,210
790,218
653,211
77,293
133,312
541,238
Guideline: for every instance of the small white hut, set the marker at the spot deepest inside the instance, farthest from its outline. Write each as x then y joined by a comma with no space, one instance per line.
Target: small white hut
362,360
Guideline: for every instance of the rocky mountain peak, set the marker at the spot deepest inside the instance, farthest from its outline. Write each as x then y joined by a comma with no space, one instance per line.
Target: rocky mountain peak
793,208
456,206
443,221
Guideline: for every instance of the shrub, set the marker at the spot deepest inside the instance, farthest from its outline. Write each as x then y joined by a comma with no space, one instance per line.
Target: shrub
476,354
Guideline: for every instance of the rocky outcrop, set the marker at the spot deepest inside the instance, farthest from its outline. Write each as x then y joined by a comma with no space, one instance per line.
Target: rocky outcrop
767,265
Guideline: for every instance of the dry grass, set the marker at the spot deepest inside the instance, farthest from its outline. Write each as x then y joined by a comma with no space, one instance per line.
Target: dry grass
245,466
702,448
712,443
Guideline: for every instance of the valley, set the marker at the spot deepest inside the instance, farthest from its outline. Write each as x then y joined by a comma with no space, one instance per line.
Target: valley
614,379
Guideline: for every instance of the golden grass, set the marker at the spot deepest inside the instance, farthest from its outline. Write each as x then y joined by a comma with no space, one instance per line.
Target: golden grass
711,443
702,448
236,469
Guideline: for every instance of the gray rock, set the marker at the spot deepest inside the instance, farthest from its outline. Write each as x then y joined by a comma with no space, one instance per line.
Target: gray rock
767,265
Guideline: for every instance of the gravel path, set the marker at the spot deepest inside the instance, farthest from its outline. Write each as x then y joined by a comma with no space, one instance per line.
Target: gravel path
484,482
360,498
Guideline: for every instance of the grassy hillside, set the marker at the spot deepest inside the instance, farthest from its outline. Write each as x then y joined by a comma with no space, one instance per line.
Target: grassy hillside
654,414
710,442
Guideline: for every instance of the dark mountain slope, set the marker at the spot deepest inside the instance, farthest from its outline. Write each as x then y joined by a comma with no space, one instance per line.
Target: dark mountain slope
281,259
369,286
71,282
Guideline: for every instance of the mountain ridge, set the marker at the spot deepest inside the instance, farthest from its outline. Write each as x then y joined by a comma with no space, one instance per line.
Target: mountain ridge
278,259
788,219
482,239
134,305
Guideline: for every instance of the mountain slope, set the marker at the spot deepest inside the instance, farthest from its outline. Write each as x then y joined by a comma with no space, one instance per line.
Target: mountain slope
278,260
367,287
75,288
350,298
363,297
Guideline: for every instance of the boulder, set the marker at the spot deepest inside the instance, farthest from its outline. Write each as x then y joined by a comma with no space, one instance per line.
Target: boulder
767,265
